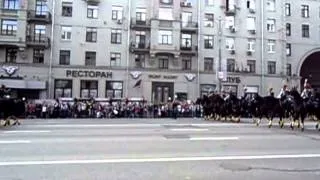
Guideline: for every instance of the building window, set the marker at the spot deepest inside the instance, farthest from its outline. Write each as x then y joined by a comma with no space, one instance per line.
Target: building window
89,89
166,2
209,2
288,49
139,60
90,59
64,57
140,39
165,37
271,5
271,46
251,23
66,32
8,27
62,88
115,59
288,29
41,7
114,89
117,12
289,70
186,63
251,4
91,34
208,64
271,25
92,12
163,62
186,41
251,45
141,15
40,33
67,9
11,55
230,43
208,20
11,4
206,89
186,18
208,41
305,30
38,56
231,65
288,9
116,36
305,11
251,66
271,67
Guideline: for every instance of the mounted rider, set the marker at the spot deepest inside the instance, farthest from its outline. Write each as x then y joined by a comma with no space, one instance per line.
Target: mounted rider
283,92
307,91
271,93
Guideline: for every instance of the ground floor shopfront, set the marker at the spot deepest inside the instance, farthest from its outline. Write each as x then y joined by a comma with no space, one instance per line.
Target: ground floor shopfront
156,86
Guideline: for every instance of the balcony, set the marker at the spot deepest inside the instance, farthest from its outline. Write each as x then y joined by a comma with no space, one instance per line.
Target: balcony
37,41
4,12
189,27
190,50
139,47
185,4
34,16
140,24
93,1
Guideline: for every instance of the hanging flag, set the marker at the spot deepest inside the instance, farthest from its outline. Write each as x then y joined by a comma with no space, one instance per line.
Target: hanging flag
138,84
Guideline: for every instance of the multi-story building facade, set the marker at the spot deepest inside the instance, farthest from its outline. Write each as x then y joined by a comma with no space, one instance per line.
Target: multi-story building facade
158,49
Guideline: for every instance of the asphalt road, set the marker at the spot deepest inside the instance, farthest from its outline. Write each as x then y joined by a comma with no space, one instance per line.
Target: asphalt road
157,149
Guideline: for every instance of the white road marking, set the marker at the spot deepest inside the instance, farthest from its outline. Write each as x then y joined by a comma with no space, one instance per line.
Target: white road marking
15,142
212,138
189,129
146,160
11,132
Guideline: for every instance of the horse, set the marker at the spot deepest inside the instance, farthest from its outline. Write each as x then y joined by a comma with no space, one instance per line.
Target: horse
12,109
299,109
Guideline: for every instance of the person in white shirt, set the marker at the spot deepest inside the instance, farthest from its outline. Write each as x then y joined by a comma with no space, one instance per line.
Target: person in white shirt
284,90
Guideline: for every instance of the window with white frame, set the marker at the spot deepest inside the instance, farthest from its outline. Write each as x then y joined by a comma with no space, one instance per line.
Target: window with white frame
230,43
251,4
271,67
208,19
141,14
288,29
209,2
230,5
271,47
251,45
66,32
304,11
229,22
117,12
115,59
271,5
165,37
288,9
92,11
288,49
67,9
305,30
251,23
116,36
186,18
11,4
186,40
166,14
208,41
271,25
8,27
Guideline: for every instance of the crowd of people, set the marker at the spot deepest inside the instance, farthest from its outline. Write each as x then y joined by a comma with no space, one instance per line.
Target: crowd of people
90,108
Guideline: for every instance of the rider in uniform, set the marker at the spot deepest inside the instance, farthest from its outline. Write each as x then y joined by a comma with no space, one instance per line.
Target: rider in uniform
284,91
271,93
307,91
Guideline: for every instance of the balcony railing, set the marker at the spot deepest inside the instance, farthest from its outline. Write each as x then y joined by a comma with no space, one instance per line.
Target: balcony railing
139,47
189,49
140,24
189,27
38,41
39,16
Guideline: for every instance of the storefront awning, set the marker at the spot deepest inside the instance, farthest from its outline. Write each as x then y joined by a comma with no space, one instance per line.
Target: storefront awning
23,84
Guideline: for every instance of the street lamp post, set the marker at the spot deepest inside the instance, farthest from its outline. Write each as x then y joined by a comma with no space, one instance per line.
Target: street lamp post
220,73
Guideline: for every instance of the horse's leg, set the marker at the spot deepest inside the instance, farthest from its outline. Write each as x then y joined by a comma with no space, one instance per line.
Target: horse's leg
270,122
